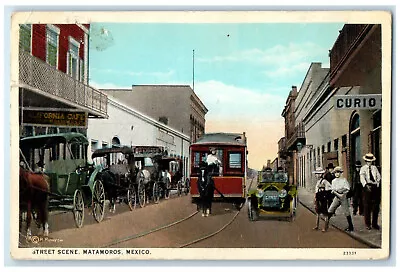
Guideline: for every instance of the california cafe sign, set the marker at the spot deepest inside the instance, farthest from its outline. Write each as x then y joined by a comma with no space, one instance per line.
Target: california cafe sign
358,102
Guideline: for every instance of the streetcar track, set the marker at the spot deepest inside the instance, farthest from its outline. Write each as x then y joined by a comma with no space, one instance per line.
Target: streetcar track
174,223
211,234
218,231
143,234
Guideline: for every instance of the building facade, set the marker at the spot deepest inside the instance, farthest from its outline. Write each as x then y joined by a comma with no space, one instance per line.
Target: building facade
315,79
293,135
177,106
54,95
129,127
341,136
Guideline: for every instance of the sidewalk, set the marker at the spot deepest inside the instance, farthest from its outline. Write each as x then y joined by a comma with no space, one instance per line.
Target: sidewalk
372,237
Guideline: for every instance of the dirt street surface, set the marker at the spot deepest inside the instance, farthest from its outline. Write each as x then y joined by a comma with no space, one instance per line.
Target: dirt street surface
133,229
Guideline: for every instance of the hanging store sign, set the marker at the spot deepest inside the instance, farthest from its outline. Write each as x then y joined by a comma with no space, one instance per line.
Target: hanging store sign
358,102
55,118
148,150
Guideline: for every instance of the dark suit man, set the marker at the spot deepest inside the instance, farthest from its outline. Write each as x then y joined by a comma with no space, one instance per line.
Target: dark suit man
357,189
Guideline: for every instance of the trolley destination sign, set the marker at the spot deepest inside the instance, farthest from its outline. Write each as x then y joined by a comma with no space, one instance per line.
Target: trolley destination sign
55,118
357,102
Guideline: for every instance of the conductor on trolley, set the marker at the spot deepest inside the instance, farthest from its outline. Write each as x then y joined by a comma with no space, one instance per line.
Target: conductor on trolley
213,162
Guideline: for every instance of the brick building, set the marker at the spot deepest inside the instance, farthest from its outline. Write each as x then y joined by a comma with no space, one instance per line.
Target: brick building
53,79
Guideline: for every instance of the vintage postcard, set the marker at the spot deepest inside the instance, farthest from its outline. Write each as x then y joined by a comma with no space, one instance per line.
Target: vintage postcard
257,135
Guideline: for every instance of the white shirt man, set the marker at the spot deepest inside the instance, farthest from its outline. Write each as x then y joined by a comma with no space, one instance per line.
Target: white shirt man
212,158
340,187
369,174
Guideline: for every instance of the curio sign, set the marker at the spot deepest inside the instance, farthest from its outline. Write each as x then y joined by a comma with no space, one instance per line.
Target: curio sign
357,102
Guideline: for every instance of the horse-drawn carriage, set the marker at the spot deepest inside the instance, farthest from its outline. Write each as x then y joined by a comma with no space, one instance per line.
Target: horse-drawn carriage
149,175
73,182
117,170
172,167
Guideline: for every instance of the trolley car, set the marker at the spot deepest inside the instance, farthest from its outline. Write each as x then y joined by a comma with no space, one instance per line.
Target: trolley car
230,179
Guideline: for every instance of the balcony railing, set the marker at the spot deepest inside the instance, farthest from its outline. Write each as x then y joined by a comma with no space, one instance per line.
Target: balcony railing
38,74
298,135
349,37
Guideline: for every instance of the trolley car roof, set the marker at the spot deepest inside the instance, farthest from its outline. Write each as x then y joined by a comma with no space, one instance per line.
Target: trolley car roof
221,138
108,150
51,139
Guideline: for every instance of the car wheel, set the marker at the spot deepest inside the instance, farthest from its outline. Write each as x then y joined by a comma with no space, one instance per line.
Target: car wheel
252,212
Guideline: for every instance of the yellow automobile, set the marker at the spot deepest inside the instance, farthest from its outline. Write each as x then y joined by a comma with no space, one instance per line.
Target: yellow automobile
272,197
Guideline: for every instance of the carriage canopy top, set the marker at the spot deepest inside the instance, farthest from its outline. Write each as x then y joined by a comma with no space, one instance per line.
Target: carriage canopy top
108,150
52,139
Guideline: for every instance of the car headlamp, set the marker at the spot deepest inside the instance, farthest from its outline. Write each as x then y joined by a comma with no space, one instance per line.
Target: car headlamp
260,192
282,193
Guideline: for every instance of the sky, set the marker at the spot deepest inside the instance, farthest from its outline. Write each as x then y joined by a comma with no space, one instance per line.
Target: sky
243,73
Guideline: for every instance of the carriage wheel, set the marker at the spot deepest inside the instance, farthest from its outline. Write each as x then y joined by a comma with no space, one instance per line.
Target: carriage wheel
141,194
156,192
132,198
98,200
79,208
167,188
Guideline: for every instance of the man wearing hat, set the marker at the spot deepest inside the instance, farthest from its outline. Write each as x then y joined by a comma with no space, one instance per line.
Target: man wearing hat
322,195
267,174
213,162
340,188
357,189
371,180
282,176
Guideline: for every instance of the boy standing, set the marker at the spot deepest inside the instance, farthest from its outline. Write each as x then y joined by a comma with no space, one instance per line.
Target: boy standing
322,195
340,187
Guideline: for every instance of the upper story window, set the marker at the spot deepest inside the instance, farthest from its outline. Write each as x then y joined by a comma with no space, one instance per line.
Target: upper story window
73,59
25,37
52,34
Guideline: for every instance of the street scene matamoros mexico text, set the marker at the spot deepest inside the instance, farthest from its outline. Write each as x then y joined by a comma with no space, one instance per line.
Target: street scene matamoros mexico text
161,164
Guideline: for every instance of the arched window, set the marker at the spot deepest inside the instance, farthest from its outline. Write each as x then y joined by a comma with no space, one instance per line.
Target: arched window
115,142
355,123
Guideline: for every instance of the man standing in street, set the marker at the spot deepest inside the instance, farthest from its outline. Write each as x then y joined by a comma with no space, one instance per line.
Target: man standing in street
357,188
371,180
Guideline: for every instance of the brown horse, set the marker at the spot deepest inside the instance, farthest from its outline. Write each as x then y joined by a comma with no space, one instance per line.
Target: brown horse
34,190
